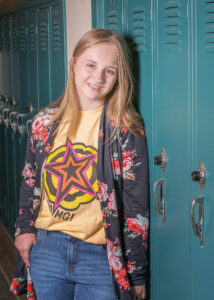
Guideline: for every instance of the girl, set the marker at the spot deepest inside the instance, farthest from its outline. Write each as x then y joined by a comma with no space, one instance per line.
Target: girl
83,219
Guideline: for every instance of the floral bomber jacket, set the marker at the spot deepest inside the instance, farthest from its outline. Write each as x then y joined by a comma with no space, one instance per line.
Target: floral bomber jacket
122,174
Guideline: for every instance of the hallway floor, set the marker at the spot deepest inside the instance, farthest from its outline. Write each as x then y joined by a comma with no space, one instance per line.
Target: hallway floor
7,261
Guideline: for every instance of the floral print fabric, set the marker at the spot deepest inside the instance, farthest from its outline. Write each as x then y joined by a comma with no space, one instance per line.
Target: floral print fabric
122,174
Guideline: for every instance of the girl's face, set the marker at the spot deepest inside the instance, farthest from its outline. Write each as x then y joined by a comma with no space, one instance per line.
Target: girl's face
95,73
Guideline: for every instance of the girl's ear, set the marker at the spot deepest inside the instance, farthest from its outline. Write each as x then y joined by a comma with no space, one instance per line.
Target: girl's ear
71,64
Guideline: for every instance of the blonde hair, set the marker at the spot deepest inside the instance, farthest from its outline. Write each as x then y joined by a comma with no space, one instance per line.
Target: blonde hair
120,109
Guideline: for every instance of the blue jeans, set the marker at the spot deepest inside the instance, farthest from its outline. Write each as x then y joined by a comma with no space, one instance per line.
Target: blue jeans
66,268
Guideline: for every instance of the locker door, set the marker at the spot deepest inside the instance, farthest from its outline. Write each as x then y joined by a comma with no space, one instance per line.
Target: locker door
139,35
43,57
7,86
15,61
171,272
32,60
1,56
10,138
58,52
7,80
23,62
203,146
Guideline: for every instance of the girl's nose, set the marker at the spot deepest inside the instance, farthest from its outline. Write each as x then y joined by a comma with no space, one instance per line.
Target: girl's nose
100,76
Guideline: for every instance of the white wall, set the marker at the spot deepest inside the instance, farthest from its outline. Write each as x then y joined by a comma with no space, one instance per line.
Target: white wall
78,19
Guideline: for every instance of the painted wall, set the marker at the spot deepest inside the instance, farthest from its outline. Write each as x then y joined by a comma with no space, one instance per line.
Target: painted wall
78,18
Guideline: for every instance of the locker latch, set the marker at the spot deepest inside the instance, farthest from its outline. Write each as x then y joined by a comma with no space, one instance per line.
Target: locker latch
199,175
160,160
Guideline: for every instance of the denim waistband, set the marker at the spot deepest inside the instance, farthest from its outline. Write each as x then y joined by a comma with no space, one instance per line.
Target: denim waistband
61,234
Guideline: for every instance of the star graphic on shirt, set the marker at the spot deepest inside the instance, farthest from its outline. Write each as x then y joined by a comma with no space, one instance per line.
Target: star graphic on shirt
71,173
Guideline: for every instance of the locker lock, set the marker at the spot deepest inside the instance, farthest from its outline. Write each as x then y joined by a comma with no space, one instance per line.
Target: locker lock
160,160
13,101
199,175
5,99
30,109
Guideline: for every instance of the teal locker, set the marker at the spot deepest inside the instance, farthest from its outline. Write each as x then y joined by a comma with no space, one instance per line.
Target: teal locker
23,62
15,61
33,56
58,52
203,123
10,131
176,101
7,92
44,57
170,255
7,80
139,33
32,61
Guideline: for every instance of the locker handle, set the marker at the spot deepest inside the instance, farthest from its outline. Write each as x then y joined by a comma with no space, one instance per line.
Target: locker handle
13,121
160,206
5,116
21,126
28,125
198,228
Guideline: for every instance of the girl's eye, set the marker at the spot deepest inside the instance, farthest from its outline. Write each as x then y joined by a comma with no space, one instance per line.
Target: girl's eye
91,66
109,71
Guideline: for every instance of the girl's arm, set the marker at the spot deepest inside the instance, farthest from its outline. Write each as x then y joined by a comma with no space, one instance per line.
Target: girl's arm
136,206
25,220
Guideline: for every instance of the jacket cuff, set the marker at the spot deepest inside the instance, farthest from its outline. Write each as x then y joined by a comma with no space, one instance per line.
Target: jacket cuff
23,230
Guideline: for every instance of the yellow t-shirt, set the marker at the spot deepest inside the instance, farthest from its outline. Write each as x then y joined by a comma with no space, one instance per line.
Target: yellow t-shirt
69,197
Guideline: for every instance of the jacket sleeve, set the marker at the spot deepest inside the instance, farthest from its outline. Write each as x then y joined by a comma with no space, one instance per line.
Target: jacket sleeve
25,220
136,206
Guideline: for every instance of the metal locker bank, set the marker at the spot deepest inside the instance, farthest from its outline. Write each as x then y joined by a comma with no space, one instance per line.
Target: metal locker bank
32,55
172,44
172,49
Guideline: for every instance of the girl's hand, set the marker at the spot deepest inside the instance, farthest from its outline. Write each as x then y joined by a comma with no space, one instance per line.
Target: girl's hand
23,243
139,292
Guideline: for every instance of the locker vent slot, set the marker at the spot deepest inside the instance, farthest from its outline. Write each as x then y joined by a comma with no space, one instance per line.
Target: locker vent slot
43,37
32,38
112,20
6,39
173,26
56,36
209,27
22,40
139,28
14,39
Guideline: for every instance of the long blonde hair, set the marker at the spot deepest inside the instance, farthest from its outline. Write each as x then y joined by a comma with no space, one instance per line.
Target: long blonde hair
120,108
